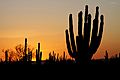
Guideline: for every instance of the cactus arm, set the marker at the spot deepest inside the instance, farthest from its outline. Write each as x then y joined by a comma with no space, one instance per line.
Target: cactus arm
86,27
94,33
40,56
72,34
68,44
95,26
96,21
80,24
79,38
86,23
87,30
38,49
98,38
101,29
86,13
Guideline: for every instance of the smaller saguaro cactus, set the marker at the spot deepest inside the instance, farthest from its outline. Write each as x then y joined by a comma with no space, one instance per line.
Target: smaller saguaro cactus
38,54
30,56
6,56
54,56
106,55
50,56
25,51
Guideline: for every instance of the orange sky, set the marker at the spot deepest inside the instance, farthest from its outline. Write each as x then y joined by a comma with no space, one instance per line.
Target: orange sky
45,21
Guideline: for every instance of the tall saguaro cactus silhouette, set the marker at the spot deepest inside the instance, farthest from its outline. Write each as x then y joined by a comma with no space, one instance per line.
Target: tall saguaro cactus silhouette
25,51
85,47
38,54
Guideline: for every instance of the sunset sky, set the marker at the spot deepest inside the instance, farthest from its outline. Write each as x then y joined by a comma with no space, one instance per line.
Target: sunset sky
45,21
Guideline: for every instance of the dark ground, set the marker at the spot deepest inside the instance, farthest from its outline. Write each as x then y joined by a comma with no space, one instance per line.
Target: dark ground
96,70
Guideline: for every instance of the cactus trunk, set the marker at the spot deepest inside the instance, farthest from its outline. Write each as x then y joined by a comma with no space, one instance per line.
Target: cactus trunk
6,56
25,51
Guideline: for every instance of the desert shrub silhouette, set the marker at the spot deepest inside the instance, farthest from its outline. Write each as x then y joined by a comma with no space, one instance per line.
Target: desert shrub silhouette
85,47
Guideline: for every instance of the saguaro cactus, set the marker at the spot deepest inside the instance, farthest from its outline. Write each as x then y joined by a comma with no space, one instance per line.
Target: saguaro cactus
84,48
38,54
25,51
29,56
6,56
40,58
106,55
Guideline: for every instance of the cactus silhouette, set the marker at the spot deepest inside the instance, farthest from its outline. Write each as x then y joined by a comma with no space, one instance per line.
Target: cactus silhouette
40,58
85,47
29,56
38,54
106,55
6,56
25,51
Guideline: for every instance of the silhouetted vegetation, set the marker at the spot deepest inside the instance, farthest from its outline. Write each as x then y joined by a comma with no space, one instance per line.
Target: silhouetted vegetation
82,52
84,49
106,57
38,54
6,56
54,58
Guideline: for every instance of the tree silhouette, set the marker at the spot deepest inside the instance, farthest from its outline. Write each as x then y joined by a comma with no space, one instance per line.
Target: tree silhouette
19,49
84,49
